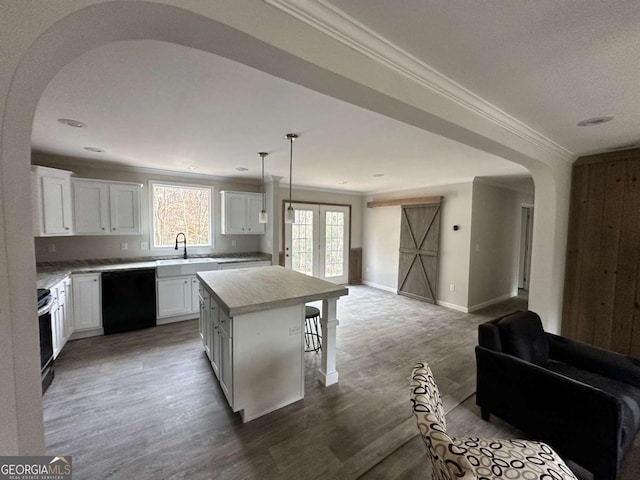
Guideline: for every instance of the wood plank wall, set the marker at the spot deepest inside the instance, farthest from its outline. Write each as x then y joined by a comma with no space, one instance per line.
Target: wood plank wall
602,281
355,266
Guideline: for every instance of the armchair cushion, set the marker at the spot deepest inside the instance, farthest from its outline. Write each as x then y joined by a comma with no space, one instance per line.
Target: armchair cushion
522,335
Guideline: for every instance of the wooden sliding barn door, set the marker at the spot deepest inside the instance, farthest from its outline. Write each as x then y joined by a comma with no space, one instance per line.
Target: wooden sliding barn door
602,280
419,238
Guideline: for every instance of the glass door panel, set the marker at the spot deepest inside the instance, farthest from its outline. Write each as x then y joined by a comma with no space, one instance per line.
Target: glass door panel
317,242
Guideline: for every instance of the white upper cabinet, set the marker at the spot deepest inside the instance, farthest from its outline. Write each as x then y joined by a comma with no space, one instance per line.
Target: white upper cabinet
125,208
51,190
90,206
240,213
103,208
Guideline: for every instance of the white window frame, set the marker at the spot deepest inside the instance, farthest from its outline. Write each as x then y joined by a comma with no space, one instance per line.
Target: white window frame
190,248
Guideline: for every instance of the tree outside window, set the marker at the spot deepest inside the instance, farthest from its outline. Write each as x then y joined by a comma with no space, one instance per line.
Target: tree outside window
181,208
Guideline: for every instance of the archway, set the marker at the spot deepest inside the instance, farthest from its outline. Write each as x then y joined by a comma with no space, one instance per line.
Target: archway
31,69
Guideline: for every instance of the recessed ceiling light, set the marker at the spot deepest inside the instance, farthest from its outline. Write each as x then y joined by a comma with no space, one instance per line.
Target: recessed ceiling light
589,122
72,123
94,149
242,169
378,174
343,183
190,166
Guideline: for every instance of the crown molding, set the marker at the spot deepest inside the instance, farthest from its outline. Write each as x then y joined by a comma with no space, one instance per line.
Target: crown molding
327,18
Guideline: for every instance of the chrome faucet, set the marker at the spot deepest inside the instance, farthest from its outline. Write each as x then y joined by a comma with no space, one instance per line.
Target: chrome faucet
182,241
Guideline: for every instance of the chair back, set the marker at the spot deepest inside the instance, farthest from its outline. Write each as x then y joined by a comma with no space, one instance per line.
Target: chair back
447,460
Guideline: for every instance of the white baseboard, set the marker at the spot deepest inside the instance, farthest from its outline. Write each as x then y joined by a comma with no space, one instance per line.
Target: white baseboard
380,287
180,318
452,306
92,332
491,302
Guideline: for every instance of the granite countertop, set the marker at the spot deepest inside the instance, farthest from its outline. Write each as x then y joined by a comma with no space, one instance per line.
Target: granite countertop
50,273
255,289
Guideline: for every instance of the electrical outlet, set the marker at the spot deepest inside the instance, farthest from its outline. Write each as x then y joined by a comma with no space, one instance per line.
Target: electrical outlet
294,330
477,247
51,247
452,287
144,246
268,243
124,246
233,243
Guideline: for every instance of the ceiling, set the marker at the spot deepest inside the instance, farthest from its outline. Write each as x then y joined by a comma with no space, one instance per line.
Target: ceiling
158,105
549,64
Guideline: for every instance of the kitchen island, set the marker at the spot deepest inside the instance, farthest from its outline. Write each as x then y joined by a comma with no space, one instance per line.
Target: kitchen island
252,327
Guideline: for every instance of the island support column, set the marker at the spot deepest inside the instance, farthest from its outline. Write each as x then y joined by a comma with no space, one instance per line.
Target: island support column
329,322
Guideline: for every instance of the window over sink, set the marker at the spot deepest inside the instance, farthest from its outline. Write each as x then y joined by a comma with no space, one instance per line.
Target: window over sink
181,208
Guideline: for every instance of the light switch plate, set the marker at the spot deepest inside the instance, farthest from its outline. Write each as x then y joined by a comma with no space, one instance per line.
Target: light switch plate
144,246
124,246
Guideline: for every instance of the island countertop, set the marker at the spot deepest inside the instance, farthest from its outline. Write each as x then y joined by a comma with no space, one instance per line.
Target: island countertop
247,290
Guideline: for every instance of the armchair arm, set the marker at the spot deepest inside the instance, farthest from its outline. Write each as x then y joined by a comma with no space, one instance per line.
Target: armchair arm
604,362
580,421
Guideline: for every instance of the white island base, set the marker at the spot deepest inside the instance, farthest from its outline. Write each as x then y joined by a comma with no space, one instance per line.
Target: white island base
255,340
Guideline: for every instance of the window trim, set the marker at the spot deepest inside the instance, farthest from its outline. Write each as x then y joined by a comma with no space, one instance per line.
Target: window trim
190,248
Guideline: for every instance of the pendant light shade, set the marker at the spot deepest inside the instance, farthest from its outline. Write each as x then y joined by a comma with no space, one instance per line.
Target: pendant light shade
263,217
290,214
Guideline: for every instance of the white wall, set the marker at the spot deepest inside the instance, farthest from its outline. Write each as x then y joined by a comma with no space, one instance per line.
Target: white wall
495,244
381,237
96,247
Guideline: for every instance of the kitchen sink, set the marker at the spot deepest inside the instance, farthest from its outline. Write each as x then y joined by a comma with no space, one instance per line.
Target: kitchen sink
184,266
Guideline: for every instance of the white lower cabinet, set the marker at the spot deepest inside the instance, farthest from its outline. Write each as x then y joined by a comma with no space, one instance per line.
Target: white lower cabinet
258,357
61,315
215,330
226,365
215,347
174,296
87,311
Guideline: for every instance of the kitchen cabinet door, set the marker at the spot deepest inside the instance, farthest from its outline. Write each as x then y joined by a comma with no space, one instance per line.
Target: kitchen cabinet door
254,206
234,220
174,296
226,366
195,294
68,309
215,338
52,202
90,207
240,213
124,201
86,301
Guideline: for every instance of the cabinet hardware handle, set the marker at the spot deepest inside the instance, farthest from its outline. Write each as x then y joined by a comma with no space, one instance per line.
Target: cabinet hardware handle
114,228
66,228
103,228
95,279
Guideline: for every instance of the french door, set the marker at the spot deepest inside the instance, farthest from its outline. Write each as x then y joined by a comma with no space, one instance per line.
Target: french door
317,243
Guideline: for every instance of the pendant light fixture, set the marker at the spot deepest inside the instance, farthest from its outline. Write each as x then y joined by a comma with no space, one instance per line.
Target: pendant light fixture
263,217
290,215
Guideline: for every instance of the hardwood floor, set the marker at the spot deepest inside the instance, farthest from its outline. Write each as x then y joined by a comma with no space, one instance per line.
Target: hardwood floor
146,404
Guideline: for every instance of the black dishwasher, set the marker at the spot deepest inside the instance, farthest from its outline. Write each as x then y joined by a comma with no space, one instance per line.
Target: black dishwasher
128,300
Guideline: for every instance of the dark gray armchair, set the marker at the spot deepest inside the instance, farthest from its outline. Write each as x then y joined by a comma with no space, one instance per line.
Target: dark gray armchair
582,400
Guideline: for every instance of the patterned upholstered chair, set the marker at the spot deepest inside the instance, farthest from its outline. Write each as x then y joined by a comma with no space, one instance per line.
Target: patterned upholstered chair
475,458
